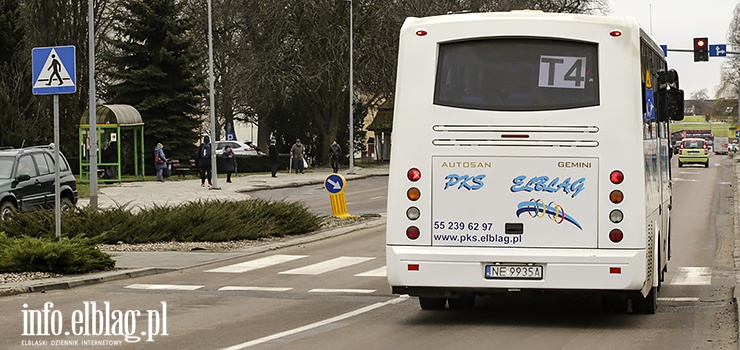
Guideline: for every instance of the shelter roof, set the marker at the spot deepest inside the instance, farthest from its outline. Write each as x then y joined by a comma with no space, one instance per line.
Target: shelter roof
123,115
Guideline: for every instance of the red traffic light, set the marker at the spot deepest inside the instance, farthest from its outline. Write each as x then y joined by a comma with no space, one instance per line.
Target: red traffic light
700,49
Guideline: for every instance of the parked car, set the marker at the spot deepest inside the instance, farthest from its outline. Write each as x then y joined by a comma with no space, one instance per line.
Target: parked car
27,180
251,144
239,148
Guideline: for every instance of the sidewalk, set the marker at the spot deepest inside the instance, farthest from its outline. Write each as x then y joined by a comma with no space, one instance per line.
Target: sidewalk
174,191
144,194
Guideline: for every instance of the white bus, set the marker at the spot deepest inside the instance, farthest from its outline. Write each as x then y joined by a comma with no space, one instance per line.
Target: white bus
530,153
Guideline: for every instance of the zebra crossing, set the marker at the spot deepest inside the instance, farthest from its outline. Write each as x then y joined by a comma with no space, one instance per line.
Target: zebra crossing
684,276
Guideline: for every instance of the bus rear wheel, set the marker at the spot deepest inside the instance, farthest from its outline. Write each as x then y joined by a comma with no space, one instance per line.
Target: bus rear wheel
647,305
432,303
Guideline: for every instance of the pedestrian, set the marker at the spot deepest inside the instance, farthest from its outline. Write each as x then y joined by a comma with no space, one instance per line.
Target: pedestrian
296,156
204,161
160,161
334,152
272,150
229,162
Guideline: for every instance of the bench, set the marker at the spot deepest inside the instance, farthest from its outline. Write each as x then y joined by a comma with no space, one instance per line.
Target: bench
183,169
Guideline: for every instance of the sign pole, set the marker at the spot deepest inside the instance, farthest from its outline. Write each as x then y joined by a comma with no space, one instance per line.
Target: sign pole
53,73
57,199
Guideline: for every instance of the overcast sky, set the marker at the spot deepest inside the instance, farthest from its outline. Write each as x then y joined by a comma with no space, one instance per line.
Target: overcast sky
676,23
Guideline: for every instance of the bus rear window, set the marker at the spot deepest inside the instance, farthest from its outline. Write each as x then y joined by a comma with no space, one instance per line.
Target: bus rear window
514,74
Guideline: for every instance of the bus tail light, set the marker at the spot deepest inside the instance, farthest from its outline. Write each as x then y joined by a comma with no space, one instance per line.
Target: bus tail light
413,194
615,235
616,196
616,177
413,267
616,216
413,213
413,174
412,232
615,270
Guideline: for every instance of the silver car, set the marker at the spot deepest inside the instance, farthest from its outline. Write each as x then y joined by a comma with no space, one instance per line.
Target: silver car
239,148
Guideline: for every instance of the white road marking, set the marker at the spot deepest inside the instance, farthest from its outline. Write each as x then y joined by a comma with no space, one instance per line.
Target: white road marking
163,287
680,179
317,324
692,276
257,263
362,291
681,299
257,289
377,197
379,272
326,266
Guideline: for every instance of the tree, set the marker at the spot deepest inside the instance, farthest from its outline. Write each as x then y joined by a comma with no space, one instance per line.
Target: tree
730,81
15,93
699,95
155,67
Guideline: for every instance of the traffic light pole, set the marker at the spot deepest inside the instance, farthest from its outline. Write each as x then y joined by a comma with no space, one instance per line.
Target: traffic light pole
687,50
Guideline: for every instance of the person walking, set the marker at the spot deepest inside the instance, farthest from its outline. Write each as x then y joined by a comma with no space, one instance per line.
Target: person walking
204,161
296,155
334,152
229,162
272,150
160,161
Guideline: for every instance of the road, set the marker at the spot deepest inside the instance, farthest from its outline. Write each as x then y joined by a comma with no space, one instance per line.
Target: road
365,196
332,294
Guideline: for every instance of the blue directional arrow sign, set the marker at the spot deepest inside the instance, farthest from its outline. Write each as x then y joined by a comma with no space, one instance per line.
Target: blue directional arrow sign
719,50
54,70
665,50
334,183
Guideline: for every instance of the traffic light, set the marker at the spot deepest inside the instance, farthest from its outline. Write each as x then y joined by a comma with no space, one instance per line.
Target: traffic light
701,49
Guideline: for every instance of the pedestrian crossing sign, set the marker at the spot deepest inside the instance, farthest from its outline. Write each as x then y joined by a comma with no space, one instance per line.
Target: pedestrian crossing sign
54,70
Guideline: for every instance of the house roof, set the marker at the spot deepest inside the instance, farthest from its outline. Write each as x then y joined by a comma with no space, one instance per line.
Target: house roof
383,120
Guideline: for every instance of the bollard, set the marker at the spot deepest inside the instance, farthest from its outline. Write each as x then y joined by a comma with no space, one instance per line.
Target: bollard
334,184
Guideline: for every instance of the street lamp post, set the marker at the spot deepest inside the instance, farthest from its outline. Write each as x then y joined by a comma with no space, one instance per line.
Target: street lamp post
351,97
214,171
93,129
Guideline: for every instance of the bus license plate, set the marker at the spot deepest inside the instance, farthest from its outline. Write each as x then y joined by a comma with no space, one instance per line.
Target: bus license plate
529,272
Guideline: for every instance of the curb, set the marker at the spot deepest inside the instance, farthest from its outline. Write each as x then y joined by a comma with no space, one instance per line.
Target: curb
301,183
107,276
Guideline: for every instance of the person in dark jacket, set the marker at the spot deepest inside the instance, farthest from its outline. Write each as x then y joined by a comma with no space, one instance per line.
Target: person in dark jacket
160,161
334,152
272,150
204,161
296,156
229,162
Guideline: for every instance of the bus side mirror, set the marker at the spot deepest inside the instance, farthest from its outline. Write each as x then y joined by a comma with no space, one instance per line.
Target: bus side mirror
668,78
674,104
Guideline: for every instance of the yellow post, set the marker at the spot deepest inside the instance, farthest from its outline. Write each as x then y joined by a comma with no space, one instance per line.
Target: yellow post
334,184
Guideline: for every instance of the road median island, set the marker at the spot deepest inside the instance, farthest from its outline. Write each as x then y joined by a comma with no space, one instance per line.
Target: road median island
212,227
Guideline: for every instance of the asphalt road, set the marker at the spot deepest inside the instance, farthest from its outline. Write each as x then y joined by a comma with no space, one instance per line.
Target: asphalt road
364,196
332,294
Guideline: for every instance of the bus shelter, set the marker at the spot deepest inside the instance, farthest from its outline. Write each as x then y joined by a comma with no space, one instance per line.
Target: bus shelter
120,131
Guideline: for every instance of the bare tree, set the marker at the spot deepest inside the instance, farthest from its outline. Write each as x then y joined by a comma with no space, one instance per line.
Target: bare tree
700,95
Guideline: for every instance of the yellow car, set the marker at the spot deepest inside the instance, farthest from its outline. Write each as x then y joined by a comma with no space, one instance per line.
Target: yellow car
693,151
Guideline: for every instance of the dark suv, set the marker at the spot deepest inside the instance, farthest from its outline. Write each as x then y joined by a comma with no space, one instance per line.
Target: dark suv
27,180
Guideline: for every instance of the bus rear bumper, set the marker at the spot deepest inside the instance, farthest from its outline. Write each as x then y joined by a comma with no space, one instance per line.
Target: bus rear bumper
443,271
